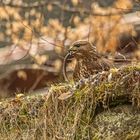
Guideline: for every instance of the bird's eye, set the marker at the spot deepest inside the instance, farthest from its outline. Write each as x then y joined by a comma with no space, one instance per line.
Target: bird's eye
77,45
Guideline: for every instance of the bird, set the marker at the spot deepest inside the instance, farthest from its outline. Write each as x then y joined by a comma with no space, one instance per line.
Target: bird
88,60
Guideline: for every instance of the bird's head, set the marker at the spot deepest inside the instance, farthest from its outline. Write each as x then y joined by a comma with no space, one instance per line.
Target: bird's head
81,48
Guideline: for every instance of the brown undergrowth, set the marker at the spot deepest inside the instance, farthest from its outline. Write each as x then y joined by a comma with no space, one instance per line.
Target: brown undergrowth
80,116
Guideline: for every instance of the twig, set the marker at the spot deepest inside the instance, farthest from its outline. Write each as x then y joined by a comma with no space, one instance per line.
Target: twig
37,81
64,67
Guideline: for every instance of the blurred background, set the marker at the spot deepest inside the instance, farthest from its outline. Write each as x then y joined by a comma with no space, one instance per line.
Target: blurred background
36,34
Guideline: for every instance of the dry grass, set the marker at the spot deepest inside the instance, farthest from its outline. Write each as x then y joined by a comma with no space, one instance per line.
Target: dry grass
45,117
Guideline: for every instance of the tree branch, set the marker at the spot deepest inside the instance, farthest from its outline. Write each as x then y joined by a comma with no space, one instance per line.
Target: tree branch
65,8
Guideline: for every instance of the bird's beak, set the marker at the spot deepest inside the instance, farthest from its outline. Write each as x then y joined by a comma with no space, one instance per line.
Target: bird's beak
72,50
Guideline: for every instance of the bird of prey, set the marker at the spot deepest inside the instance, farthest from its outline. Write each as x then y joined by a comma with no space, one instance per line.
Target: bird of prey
89,62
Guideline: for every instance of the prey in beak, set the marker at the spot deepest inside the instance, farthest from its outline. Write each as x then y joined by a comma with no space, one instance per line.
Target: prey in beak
67,59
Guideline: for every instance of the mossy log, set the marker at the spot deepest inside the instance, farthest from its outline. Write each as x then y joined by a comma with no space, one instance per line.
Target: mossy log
102,107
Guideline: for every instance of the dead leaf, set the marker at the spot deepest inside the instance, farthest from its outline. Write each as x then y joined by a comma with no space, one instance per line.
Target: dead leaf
65,96
74,2
22,74
20,95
